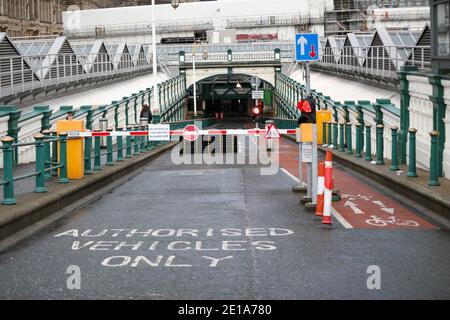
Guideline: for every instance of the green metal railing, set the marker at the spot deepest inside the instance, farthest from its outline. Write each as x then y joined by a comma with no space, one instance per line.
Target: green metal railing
43,164
288,92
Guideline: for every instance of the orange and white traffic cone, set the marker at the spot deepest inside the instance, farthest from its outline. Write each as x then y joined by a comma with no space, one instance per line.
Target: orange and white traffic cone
320,189
328,190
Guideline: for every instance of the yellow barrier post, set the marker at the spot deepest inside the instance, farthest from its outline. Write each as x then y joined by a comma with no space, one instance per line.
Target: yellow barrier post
75,148
322,116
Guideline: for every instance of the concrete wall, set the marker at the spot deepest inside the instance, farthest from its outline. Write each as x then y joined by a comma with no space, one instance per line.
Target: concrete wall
265,73
421,116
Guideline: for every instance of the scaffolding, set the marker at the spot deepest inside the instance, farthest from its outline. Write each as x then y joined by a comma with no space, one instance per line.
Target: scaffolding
352,15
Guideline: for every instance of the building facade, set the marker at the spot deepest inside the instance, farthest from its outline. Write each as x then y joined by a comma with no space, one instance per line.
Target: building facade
31,17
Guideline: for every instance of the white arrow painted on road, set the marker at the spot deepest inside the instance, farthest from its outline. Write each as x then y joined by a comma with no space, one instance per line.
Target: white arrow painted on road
388,210
302,42
379,203
354,207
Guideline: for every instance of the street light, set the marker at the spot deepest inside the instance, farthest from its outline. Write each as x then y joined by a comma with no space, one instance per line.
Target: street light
205,56
175,4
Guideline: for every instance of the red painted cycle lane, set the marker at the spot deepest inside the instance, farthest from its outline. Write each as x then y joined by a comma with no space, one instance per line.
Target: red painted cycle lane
362,205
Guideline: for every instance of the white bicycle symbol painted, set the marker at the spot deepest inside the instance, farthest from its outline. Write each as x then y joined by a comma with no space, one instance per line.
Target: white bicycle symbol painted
380,222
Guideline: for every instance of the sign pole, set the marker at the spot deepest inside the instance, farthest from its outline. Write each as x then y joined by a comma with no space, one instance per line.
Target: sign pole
314,167
308,79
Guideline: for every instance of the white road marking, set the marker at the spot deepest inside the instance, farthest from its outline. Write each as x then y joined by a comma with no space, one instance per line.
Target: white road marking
336,214
290,175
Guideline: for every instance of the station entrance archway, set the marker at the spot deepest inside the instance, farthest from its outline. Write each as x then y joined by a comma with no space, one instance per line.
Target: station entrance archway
228,93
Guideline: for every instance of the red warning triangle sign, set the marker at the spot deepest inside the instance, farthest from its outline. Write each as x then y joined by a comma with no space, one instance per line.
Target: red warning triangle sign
272,132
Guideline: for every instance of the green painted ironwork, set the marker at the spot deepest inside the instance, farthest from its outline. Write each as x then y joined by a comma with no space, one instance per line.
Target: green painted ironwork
341,137
368,143
8,179
63,158
394,155
348,127
358,146
40,163
380,144
412,169
434,160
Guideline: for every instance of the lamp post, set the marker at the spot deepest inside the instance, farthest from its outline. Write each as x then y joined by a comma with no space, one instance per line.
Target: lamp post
194,76
175,4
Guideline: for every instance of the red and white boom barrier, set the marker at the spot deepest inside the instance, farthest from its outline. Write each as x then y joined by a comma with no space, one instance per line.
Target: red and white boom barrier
217,132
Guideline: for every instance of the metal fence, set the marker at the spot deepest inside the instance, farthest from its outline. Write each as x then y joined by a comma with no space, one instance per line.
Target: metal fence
24,73
377,61
218,52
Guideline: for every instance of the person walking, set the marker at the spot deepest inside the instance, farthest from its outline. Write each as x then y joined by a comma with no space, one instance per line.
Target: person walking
146,115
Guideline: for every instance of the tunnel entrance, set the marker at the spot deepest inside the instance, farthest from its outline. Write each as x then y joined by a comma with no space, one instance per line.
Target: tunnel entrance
230,94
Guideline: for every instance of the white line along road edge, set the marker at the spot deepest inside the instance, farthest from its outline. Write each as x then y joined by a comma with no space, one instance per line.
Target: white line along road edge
336,214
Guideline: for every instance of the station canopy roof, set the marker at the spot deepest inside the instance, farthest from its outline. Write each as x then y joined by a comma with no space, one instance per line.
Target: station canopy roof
91,54
47,55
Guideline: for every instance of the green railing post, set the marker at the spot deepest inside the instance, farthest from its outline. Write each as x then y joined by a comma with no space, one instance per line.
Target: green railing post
8,164
341,136
129,144
87,155
119,146
13,126
109,148
54,156
63,157
394,156
349,138
97,149
434,160
143,141
329,133
89,114
136,141
324,133
127,113
380,145
404,111
47,158
359,109
116,107
40,163
358,140
368,142
335,135
412,169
